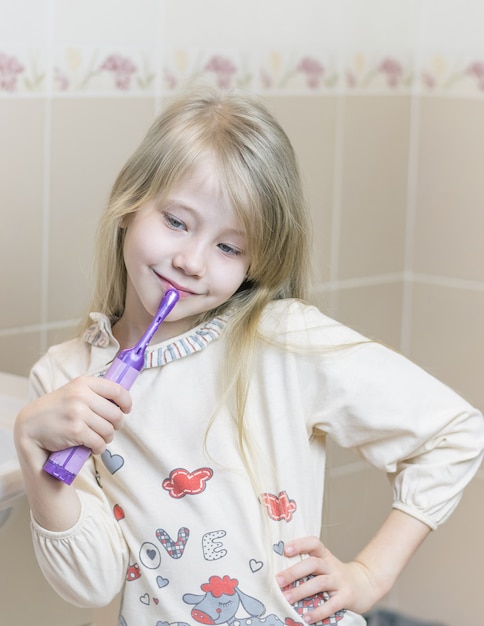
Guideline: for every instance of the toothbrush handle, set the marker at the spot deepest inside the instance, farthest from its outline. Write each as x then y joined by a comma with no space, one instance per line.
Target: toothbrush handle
124,370
66,464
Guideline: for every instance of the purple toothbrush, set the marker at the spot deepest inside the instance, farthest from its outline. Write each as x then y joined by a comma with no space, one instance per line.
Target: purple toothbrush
125,369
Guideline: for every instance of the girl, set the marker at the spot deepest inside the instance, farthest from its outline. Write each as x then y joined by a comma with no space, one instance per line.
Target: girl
202,502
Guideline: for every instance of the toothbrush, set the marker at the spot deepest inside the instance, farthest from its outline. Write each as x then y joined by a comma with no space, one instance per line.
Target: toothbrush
125,369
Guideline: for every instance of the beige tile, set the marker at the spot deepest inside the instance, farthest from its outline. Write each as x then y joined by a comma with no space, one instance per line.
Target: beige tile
447,337
374,185
337,458
443,582
63,333
91,140
355,506
18,352
374,310
310,123
108,615
450,217
21,182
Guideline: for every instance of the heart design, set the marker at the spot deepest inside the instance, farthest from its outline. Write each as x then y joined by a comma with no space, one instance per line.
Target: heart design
255,566
113,462
145,599
162,624
279,548
155,600
174,548
149,555
118,512
161,582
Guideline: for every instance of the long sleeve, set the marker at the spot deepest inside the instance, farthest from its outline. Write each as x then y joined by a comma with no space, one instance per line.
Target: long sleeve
87,563
392,413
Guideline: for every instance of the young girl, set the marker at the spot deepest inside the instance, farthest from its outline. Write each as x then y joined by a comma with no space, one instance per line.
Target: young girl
202,502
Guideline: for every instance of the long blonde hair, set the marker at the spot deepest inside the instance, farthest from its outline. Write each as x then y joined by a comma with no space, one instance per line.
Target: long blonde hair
259,171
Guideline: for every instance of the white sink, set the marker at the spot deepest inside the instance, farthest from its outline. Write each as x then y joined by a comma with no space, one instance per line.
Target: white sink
13,396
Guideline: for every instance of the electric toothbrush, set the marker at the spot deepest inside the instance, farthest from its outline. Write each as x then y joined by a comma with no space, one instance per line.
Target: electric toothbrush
124,370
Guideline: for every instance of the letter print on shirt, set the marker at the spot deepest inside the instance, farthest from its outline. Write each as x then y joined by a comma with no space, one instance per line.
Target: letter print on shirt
211,546
174,548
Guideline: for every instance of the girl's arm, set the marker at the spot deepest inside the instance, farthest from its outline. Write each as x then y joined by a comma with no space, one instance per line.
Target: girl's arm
73,526
85,411
361,583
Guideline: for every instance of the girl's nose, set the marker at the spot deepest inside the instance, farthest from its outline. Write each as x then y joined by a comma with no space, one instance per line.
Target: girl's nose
191,260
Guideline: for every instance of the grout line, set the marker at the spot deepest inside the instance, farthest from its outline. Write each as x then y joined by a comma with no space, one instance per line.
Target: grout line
46,199
445,281
337,200
395,277
365,281
321,288
160,54
35,328
410,223
280,93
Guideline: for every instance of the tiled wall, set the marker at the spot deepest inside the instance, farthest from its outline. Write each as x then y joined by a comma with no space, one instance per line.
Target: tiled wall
384,102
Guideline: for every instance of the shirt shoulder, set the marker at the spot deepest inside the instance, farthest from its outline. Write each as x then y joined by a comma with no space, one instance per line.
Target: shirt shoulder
294,321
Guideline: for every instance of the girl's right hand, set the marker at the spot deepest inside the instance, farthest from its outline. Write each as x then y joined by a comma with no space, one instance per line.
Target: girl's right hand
85,411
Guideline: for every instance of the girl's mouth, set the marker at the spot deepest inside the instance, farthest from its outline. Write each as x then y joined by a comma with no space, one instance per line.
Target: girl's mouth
167,284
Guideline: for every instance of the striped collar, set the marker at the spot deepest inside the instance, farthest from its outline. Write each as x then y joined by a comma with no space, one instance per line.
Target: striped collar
99,335
184,345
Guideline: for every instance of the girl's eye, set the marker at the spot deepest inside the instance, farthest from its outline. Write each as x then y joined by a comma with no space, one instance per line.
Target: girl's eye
227,249
174,222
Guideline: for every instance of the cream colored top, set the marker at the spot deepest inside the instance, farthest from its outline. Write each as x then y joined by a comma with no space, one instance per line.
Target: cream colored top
173,518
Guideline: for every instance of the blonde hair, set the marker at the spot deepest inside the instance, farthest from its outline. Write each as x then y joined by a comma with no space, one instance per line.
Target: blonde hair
258,170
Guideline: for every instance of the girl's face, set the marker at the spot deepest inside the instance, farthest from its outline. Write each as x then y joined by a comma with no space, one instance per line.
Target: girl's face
193,242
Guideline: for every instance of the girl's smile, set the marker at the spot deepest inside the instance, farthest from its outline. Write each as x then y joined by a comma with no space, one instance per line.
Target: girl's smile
194,242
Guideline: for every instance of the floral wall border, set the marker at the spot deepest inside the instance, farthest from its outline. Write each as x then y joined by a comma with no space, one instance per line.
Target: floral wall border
81,70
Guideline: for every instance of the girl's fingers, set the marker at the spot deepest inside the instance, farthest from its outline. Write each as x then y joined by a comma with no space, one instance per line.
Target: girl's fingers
314,563
326,609
312,546
310,566
110,390
85,411
310,587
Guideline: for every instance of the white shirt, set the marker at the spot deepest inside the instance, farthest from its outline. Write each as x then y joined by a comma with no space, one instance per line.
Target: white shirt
178,515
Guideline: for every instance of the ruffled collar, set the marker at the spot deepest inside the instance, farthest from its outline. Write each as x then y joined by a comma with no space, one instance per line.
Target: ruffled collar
99,335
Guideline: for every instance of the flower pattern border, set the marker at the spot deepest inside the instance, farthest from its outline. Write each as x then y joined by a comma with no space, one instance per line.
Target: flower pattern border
132,71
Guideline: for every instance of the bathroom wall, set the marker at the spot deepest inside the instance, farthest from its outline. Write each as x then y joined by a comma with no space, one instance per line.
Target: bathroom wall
384,102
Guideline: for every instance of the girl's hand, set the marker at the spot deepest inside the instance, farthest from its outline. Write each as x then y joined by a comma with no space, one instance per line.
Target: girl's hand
86,411
349,585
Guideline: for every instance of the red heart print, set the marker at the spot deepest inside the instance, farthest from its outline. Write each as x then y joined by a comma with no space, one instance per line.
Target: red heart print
118,512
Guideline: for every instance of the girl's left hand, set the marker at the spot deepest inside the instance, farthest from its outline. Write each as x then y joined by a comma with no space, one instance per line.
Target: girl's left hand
349,585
